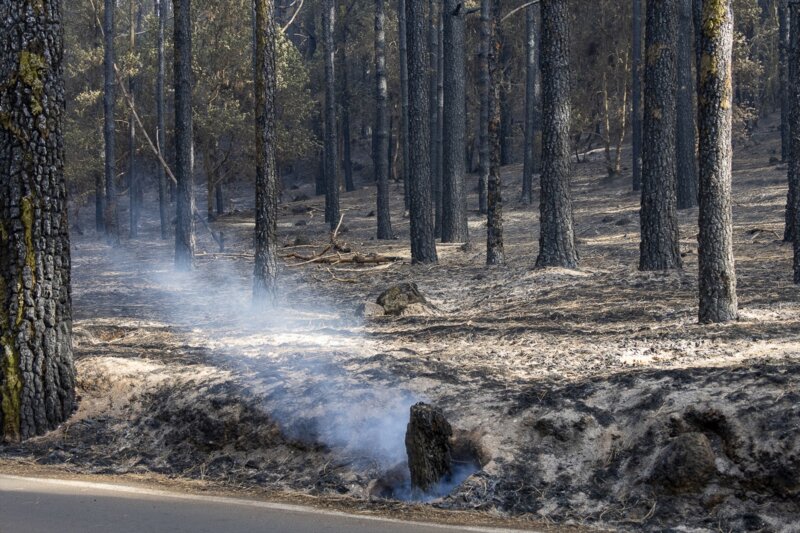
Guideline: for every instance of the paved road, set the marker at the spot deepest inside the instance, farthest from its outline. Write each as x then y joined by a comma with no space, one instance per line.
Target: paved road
31,505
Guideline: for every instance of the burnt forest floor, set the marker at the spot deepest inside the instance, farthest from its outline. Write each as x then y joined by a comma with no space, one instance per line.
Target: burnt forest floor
592,397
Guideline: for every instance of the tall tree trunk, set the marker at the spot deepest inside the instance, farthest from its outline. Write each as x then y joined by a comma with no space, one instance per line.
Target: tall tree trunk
433,111
161,12
506,107
404,148
381,125
133,179
331,157
636,90
715,252
439,122
557,233
495,249
660,245
184,228
454,188
266,237
109,124
483,134
685,132
783,66
529,161
423,243
347,139
37,374
794,177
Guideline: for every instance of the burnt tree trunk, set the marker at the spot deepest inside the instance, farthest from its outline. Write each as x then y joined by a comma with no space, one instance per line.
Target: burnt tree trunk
433,113
636,97
439,122
404,147
789,234
347,97
428,447
531,67
109,125
557,233
161,12
685,132
454,188
794,129
266,236
483,134
783,72
495,249
331,157
423,244
715,253
134,211
37,374
660,247
381,157
184,228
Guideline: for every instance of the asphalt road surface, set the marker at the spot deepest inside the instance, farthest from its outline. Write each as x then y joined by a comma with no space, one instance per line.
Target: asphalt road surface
32,505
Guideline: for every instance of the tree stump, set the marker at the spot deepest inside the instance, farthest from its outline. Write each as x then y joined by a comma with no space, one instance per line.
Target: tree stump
428,447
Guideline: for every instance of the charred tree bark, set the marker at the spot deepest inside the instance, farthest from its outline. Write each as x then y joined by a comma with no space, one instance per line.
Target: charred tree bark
266,237
433,112
715,254
495,249
331,157
454,193
428,447
134,210
789,234
109,125
685,132
404,100
184,228
531,67
794,129
557,233
483,134
439,123
783,66
99,203
37,374
347,97
636,98
423,244
660,246
381,125
161,13
506,110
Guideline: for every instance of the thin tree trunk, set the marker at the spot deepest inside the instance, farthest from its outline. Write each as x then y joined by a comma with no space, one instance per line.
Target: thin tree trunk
483,134
557,233
381,124
529,161
37,374
404,147
636,99
506,108
715,253
184,229
133,178
685,132
109,125
266,234
439,123
495,248
454,193
347,140
161,12
331,158
660,245
423,243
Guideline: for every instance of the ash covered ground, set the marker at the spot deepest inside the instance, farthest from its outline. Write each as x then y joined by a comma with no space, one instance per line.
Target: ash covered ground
592,397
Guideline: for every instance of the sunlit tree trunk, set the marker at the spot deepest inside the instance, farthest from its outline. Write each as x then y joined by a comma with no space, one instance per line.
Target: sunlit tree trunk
660,246
184,228
557,233
37,374
266,236
715,254
381,158
495,248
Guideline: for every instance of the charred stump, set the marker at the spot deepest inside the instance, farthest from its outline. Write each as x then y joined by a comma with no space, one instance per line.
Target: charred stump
428,447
